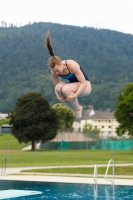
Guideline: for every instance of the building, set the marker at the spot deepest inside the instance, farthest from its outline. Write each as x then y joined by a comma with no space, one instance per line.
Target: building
3,116
5,128
103,120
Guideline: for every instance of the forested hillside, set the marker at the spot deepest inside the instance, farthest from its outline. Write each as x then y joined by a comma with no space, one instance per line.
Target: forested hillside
106,56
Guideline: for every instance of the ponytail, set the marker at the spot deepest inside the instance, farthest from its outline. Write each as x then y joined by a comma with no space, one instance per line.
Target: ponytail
54,60
48,44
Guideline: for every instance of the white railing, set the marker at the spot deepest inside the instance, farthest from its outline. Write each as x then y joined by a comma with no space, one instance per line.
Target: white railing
112,180
95,180
95,174
3,169
108,194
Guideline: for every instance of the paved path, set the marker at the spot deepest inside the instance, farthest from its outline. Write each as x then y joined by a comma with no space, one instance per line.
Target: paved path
18,170
15,174
29,147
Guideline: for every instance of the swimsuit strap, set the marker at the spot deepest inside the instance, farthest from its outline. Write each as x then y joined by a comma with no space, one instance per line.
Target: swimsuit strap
67,66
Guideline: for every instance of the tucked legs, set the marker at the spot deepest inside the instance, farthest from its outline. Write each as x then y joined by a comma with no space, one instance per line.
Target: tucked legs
64,90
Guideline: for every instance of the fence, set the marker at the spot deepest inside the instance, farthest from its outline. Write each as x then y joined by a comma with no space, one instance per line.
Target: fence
117,145
101,144
6,129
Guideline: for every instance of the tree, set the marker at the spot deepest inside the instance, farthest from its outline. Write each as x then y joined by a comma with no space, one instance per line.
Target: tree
88,129
124,111
4,121
33,119
65,115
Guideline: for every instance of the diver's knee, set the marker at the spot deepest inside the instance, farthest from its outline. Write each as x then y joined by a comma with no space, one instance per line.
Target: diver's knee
58,87
65,89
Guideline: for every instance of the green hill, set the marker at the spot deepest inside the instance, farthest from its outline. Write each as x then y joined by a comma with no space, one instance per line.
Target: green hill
106,56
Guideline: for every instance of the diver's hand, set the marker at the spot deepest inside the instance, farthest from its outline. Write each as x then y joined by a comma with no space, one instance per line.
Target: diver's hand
72,97
62,99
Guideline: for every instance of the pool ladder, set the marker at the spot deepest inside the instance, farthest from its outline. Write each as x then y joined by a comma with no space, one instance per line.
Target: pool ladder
3,169
95,180
112,181
95,172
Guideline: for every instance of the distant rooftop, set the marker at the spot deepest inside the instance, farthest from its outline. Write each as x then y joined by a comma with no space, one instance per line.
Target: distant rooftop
97,114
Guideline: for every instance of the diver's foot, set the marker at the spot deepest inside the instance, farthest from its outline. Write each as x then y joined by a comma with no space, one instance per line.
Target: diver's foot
78,113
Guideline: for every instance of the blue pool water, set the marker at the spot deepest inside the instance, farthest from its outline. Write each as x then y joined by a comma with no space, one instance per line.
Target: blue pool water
64,191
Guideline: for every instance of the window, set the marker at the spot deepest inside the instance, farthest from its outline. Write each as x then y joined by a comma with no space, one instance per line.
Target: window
102,126
109,132
95,126
109,126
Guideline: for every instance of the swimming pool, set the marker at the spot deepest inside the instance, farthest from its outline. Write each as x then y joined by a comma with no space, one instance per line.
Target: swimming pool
31,190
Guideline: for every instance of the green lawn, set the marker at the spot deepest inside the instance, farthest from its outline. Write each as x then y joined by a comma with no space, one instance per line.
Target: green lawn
66,157
63,157
123,170
8,141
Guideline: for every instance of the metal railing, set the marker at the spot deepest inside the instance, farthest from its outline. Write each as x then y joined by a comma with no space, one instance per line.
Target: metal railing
108,194
112,180
3,169
95,174
95,180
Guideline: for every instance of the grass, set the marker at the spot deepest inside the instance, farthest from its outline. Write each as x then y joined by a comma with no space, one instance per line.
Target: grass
121,170
63,158
66,157
8,141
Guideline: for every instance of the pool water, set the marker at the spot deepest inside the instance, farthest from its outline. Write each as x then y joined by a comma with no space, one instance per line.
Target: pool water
65,191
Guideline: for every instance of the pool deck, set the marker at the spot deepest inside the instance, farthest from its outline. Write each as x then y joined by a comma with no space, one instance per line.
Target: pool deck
16,174
64,179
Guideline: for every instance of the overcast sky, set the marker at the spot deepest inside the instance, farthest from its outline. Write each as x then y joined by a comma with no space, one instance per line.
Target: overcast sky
109,14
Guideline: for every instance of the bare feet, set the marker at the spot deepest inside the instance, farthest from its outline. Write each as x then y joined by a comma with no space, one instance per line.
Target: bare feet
78,113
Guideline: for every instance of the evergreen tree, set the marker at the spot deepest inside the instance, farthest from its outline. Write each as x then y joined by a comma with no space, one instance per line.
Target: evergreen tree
33,119
124,111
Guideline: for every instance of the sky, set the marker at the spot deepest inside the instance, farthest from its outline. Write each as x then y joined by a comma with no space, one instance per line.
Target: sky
101,14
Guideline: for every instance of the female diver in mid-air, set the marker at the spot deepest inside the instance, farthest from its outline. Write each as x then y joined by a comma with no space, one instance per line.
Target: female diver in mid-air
78,85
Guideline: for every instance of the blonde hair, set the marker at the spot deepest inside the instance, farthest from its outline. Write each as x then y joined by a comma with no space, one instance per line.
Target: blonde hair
54,60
